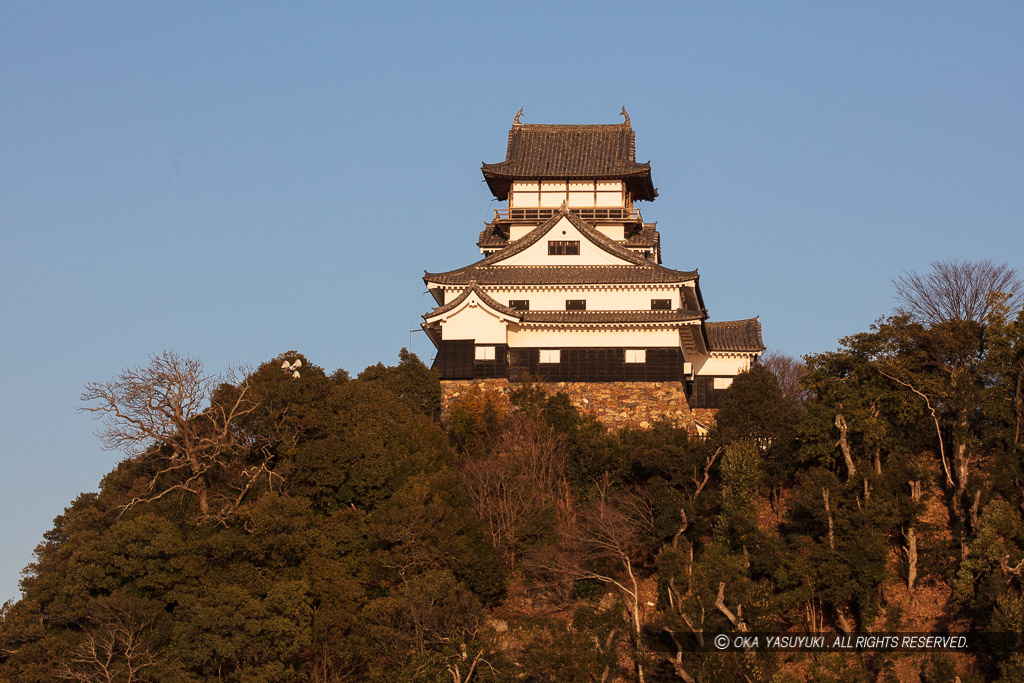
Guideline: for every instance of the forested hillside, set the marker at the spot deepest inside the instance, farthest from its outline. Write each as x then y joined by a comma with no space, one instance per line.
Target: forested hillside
290,525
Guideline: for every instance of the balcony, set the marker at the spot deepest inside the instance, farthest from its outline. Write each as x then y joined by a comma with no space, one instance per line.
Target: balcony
615,214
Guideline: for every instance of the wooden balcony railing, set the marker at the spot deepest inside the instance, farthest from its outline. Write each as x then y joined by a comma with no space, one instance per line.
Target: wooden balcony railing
616,214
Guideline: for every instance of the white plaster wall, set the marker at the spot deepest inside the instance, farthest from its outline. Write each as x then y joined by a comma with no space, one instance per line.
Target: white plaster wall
597,299
537,254
614,231
638,338
516,232
524,200
578,194
551,200
729,365
610,193
581,200
474,322
523,195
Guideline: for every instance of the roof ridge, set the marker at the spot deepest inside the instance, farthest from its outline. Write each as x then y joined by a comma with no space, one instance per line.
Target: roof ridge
560,275
619,124
756,318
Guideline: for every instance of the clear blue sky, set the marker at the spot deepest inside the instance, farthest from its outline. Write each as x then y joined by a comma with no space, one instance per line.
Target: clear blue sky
232,180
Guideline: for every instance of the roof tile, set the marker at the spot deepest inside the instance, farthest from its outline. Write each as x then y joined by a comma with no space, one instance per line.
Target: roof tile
567,152
735,335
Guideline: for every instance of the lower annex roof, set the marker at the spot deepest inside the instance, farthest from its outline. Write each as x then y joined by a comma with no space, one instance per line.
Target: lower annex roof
735,335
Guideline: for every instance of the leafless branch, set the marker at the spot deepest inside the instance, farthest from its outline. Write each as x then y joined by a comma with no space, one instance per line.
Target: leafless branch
518,485
788,371
844,446
935,419
162,413
113,648
677,660
707,473
958,290
601,544
828,514
735,619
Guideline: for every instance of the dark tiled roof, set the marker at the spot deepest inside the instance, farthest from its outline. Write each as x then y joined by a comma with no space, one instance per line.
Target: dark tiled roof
489,237
473,289
555,275
566,152
735,335
486,271
566,317
648,237
591,317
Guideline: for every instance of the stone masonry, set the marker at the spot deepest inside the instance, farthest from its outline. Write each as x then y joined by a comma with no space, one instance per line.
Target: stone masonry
614,404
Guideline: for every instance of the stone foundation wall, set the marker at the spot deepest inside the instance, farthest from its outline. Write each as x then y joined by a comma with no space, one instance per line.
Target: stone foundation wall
615,404
705,416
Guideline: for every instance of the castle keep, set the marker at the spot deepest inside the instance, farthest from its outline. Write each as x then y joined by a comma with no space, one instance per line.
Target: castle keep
571,289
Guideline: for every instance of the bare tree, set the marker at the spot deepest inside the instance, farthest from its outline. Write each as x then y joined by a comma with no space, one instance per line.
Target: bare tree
844,446
736,619
162,413
517,489
788,371
828,514
911,537
958,290
113,648
601,542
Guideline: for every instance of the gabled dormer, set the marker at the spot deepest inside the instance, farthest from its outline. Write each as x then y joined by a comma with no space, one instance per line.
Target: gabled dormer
565,240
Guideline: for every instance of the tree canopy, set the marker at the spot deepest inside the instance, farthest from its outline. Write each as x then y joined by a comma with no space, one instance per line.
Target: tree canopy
287,524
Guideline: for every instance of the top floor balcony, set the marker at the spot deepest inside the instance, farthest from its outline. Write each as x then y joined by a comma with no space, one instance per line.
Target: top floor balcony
628,214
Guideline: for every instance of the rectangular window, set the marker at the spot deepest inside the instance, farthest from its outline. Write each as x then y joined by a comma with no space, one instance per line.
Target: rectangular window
723,382
485,353
661,304
575,304
563,247
550,356
636,355
519,304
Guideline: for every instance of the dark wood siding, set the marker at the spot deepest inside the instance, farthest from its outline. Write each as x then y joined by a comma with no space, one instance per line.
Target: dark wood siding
454,359
702,393
597,364
486,369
